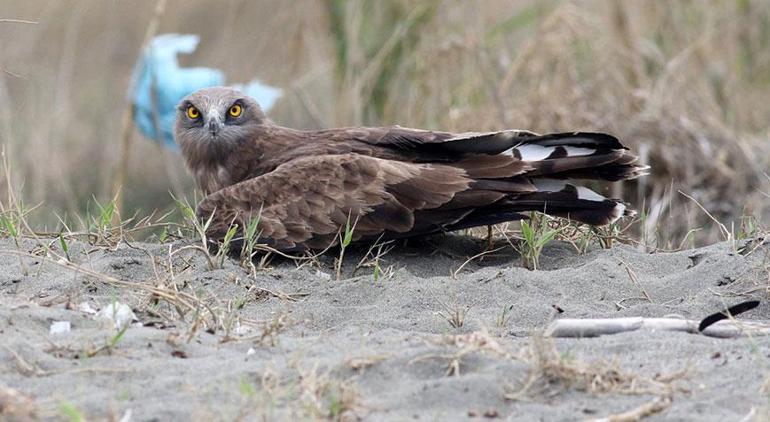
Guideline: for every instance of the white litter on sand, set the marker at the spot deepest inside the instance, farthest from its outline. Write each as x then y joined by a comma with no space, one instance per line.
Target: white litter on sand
60,327
118,313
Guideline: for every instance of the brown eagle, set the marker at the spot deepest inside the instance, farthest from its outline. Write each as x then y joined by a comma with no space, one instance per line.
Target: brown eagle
386,182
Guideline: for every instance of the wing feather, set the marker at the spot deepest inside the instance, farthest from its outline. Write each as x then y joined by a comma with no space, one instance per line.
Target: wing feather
307,200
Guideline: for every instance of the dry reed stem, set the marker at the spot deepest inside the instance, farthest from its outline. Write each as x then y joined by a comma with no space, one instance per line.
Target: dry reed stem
127,125
654,406
592,327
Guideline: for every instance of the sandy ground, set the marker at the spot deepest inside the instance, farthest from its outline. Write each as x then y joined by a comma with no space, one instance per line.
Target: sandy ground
295,342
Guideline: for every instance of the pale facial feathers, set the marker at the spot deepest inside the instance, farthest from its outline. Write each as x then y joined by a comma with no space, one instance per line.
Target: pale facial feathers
210,125
215,118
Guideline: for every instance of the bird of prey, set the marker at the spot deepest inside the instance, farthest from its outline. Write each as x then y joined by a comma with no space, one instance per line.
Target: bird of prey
385,182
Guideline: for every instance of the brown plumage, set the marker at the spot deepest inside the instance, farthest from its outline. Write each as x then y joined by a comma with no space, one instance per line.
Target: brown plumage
390,182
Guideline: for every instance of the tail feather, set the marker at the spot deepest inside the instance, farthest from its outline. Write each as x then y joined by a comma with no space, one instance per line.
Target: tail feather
554,197
610,173
559,159
568,199
578,156
592,140
546,180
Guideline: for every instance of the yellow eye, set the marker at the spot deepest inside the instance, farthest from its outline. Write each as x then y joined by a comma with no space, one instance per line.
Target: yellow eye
235,110
193,112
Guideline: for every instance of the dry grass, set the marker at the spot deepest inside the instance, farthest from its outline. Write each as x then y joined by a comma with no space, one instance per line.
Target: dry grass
551,373
454,313
462,345
683,83
310,392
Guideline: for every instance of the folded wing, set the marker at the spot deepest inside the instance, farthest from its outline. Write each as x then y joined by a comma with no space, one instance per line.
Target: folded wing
304,204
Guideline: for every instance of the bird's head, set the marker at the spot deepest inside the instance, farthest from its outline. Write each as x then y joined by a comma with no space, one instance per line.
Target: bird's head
213,120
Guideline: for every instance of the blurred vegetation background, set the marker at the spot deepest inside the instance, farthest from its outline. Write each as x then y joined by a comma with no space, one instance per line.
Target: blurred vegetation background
685,84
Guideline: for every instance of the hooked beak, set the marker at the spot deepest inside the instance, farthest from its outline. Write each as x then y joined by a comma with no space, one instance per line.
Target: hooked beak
215,125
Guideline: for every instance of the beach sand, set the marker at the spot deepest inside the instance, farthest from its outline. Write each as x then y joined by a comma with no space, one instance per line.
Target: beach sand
421,341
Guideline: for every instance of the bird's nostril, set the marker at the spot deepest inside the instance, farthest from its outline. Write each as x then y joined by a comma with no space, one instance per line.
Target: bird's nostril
214,128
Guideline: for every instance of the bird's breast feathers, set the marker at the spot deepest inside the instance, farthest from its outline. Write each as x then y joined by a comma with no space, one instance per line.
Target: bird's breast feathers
212,179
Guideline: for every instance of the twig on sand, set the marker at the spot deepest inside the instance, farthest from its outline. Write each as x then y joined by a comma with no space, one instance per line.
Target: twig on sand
24,367
30,369
478,255
604,326
656,405
280,294
9,73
